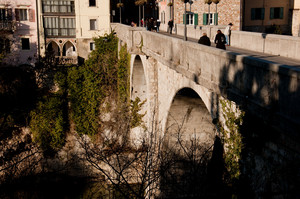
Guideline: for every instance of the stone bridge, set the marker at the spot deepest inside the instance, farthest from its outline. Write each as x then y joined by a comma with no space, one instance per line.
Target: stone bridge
161,66
185,83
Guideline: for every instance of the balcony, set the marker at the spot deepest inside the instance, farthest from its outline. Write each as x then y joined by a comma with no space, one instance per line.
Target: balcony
66,60
8,26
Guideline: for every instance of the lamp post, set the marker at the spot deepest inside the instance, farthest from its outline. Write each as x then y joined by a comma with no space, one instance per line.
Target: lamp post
208,2
190,2
185,37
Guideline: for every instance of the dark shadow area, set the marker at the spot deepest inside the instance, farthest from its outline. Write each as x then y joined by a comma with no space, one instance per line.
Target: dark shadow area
49,186
18,95
197,174
269,163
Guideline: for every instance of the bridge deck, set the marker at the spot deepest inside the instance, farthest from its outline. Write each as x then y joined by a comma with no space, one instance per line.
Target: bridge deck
272,58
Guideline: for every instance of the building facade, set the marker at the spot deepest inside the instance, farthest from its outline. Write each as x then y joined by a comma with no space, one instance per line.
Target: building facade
67,27
200,13
296,18
18,28
270,16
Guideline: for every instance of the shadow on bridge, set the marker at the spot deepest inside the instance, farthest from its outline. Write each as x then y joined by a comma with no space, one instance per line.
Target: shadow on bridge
269,160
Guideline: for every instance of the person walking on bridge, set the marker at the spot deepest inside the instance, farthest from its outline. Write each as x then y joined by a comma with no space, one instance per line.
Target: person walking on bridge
227,33
170,25
220,40
204,40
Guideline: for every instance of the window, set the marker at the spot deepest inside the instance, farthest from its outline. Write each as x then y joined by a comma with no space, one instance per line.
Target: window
257,13
92,46
21,14
25,44
93,24
191,18
67,27
58,6
276,13
60,26
5,14
210,18
4,45
92,2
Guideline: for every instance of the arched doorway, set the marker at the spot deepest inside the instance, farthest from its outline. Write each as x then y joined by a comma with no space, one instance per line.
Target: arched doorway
53,48
69,49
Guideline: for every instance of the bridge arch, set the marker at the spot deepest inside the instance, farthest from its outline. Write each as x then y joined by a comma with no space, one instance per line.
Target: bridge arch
139,88
189,116
138,80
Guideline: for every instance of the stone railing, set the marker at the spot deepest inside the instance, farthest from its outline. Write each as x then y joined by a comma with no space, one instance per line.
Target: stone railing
279,45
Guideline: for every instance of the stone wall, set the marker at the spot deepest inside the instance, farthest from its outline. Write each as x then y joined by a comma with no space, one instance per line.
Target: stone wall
296,23
228,11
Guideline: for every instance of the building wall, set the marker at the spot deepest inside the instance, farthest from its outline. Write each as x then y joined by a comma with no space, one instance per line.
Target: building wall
228,11
84,13
23,29
261,25
296,19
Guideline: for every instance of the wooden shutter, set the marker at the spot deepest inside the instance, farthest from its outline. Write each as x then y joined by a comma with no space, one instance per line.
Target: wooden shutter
281,13
31,15
204,19
195,19
216,18
272,13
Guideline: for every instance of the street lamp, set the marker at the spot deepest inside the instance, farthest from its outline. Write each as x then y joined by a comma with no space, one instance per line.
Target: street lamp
185,1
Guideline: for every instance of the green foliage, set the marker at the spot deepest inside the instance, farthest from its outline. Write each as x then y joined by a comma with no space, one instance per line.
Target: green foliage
48,124
84,94
123,74
232,139
136,117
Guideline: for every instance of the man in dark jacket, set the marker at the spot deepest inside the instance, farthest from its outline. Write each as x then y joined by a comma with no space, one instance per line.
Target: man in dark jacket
204,40
170,24
220,40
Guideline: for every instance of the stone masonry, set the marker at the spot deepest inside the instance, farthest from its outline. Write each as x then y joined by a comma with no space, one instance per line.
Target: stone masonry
228,11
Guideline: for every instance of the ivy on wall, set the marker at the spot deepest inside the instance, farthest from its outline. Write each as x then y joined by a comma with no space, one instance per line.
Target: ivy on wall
83,91
232,138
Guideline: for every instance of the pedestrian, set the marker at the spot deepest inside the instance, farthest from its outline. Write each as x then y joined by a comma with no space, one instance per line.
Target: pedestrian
154,24
204,40
158,24
170,25
227,33
220,40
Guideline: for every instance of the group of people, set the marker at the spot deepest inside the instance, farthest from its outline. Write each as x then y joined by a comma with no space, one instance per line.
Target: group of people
221,40
151,24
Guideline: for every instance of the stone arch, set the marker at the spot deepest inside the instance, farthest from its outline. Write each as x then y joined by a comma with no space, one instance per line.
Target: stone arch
69,49
54,47
139,88
138,80
189,116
